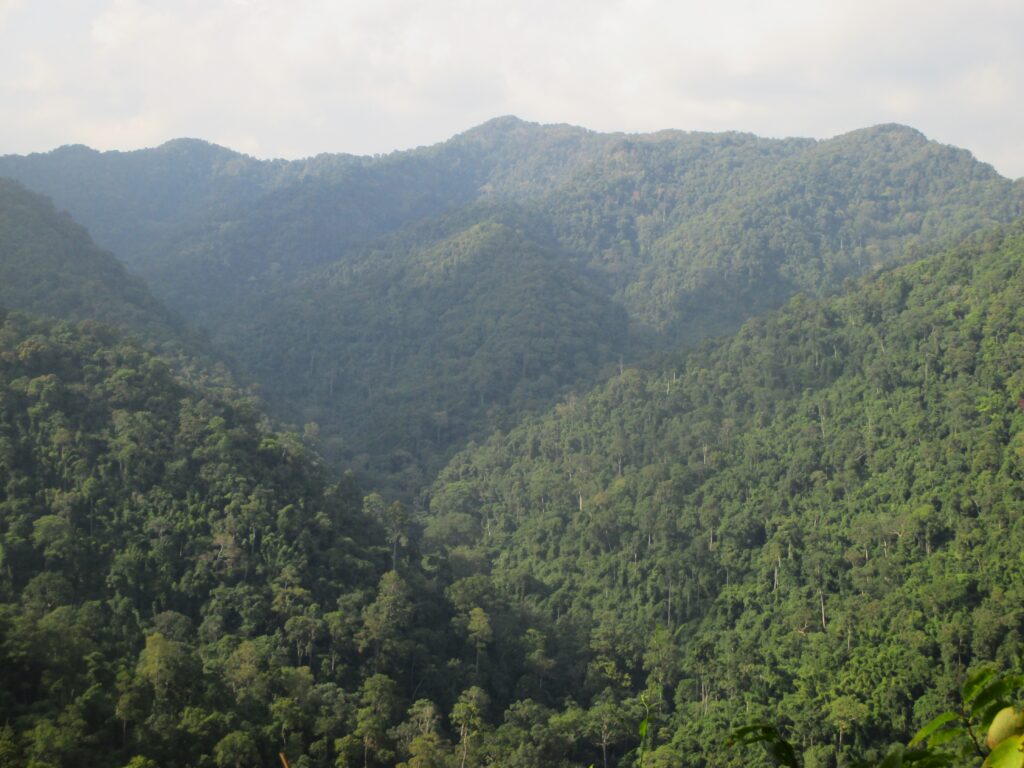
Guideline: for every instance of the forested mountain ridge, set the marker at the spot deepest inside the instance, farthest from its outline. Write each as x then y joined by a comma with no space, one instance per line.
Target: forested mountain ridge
837,209
143,525
137,203
615,200
816,522
436,337
688,234
50,266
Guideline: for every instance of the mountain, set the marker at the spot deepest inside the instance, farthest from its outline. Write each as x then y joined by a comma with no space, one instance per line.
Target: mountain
162,557
137,204
814,522
631,206
413,345
686,234
182,586
50,266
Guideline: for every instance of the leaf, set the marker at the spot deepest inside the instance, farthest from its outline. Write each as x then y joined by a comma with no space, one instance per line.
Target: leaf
925,758
784,754
997,692
781,751
944,737
974,684
754,733
1007,754
933,726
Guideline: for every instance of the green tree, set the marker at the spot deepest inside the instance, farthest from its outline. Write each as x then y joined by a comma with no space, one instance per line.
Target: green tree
378,699
385,619
236,750
468,715
479,630
167,666
606,723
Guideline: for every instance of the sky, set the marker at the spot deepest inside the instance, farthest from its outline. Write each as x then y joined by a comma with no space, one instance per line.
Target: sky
293,79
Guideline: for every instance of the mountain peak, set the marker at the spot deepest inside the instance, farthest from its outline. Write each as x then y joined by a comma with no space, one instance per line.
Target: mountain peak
186,145
886,130
510,126
504,123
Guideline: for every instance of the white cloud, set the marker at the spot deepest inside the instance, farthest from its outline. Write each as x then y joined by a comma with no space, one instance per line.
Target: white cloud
8,7
292,79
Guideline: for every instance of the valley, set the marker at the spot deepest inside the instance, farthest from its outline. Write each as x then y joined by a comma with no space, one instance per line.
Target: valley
535,447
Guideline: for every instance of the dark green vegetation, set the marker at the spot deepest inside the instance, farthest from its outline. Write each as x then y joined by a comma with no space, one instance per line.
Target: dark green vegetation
50,266
138,513
985,724
444,332
814,522
336,281
817,521
181,586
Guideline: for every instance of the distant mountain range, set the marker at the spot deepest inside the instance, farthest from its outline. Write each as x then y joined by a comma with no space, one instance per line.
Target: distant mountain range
336,282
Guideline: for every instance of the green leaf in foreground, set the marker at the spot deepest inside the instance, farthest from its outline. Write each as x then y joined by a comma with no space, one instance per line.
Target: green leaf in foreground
933,726
780,750
1007,754
976,682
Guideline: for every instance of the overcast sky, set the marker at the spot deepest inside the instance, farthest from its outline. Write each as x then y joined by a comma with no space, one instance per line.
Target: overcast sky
291,79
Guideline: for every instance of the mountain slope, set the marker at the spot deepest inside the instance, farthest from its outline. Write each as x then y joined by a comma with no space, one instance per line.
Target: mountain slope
687,234
814,520
430,339
662,214
181,586
841,207
137,204
156,546
817,520
50,266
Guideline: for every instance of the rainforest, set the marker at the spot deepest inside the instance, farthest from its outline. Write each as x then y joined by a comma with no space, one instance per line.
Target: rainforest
537,447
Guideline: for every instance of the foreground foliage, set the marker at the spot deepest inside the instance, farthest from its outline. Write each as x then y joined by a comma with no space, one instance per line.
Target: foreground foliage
987,726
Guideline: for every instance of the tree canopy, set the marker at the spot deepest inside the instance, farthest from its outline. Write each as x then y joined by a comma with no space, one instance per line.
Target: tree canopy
580,533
